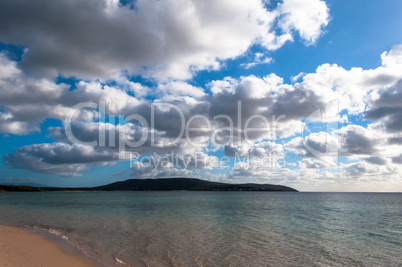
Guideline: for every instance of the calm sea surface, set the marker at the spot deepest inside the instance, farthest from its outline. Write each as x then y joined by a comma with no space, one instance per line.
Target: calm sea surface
218,228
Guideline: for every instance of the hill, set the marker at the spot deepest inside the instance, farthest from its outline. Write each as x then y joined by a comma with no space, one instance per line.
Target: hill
188,184
163,184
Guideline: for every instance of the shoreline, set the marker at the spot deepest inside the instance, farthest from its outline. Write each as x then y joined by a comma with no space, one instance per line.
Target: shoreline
21,247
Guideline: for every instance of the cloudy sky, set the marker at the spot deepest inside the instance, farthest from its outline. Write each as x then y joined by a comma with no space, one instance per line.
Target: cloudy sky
304,93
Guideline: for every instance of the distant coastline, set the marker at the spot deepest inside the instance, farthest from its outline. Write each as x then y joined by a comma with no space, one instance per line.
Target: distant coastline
162,184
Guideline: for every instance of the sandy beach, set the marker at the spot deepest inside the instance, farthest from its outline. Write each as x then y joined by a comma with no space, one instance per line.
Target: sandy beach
19,247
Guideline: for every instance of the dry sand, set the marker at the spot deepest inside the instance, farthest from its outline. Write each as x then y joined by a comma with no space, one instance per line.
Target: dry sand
19,247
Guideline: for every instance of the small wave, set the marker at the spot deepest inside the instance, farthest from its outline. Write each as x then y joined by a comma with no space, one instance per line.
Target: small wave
51,231
120,261
373,234
60,234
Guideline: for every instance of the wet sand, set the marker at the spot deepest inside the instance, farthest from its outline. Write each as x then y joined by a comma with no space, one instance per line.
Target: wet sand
19,247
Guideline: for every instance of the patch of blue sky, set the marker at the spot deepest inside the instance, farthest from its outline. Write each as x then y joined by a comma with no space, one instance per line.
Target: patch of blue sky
10,142
14,52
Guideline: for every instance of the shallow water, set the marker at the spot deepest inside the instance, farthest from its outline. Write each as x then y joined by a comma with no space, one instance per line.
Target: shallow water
219,228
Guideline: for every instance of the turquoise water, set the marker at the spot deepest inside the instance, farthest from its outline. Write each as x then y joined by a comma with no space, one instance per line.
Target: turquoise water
219,228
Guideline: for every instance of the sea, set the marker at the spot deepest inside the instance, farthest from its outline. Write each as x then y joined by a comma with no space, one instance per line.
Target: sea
179,228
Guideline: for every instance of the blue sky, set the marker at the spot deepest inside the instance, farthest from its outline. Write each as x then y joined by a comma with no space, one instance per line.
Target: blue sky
276,58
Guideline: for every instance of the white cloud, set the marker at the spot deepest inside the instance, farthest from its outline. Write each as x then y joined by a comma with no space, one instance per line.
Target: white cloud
26,101
168,38
262,149
8,125
356,89
309,163
59,158
308,17
259,59
180,88
392,58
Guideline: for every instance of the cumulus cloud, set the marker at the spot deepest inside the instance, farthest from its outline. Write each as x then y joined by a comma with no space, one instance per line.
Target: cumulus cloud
70,159
262,103
397,160
320,143
376,160
392,58
9,125
369,150
306,16
59,158
169,38
351,140
262,149
26,101
259,59
280,174
246,170
387,108
360,169
355,139
309,163
128,137
181,88
356,89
